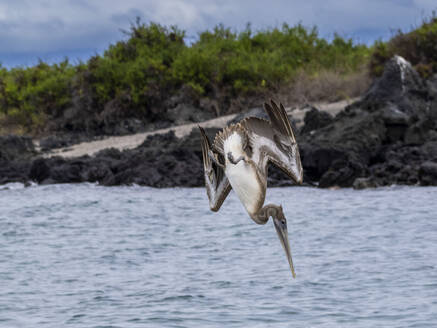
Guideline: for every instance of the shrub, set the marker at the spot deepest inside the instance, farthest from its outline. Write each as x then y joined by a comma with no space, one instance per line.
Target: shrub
27,94
248,61
417,46
153,63
138,64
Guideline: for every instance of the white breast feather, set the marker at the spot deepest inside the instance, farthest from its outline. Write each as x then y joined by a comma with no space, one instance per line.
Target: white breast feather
234,145
242,176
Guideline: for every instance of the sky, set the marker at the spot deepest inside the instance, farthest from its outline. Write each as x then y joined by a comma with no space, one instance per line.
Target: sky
78,29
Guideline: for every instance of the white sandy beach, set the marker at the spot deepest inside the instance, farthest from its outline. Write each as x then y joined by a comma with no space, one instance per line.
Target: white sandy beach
134,140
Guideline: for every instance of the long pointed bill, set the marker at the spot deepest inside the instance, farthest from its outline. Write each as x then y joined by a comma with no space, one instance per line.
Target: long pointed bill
281,229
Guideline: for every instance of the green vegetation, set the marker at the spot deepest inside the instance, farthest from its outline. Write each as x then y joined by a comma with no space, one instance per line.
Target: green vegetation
247,61
154,62
417,46
27,95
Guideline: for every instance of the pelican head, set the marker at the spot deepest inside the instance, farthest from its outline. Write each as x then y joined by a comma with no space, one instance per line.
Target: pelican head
292,157
281,228
247,148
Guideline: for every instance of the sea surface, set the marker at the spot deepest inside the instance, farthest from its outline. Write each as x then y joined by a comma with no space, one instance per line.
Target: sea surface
89,256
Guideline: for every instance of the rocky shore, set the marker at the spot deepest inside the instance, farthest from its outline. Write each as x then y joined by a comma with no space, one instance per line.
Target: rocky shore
387,137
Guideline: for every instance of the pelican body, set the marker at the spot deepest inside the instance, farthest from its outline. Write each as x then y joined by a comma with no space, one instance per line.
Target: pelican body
238,159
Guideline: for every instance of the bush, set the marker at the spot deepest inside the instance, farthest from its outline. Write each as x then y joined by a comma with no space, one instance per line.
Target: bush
417,46
28,94
138,65
248,62
153,63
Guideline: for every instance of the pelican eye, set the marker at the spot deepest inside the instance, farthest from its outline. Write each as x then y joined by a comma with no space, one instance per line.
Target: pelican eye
284,146
283,222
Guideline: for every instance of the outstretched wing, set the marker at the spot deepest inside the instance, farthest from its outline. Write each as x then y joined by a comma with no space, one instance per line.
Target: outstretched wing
216,182
274,141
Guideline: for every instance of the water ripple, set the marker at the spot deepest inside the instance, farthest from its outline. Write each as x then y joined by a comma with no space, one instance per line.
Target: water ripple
89,256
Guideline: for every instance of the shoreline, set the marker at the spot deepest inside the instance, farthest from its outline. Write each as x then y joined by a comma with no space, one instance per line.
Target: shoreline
386,137
134,140
23,185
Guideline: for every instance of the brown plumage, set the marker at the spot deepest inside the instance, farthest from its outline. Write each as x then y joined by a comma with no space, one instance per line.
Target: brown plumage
239,159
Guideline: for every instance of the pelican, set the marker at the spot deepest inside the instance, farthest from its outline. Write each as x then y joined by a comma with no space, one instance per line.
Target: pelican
238,159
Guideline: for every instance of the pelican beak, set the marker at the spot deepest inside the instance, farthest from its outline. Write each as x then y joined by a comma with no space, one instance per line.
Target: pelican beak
296,168
297,171
281,229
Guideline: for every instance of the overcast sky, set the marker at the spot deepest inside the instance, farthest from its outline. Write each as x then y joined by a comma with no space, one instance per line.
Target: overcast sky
53,29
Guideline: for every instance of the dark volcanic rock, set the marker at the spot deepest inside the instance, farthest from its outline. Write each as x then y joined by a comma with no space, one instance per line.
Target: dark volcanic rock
253,112
186,113
89,117
317,159
61,140
260,113
316,119
161,161
339,153
342,173
39,170
52,142
428,173
161,141
376,138
400,84
15,147
388,137
15,171
192,141
15,153
364,183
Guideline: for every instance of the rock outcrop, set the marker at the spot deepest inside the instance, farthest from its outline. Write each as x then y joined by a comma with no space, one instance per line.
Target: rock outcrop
161,161
15,156
387,137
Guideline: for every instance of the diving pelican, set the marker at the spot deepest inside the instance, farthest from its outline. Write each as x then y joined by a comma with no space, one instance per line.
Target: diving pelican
238,159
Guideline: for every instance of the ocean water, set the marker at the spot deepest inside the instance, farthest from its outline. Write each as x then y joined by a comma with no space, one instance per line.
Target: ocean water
89,256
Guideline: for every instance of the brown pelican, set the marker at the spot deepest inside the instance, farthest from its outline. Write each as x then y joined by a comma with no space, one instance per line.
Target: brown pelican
238,160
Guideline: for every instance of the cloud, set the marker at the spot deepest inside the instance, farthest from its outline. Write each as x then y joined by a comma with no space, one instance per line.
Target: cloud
66,26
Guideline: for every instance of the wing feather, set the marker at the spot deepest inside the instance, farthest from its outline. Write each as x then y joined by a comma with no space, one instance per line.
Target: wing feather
274,141
279,119
216,183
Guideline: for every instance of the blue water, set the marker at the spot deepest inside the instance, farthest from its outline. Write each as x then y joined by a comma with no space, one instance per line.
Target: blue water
89,256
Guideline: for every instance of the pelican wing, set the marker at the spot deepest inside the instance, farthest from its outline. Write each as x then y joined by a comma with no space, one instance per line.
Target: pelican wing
274,141
216,182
